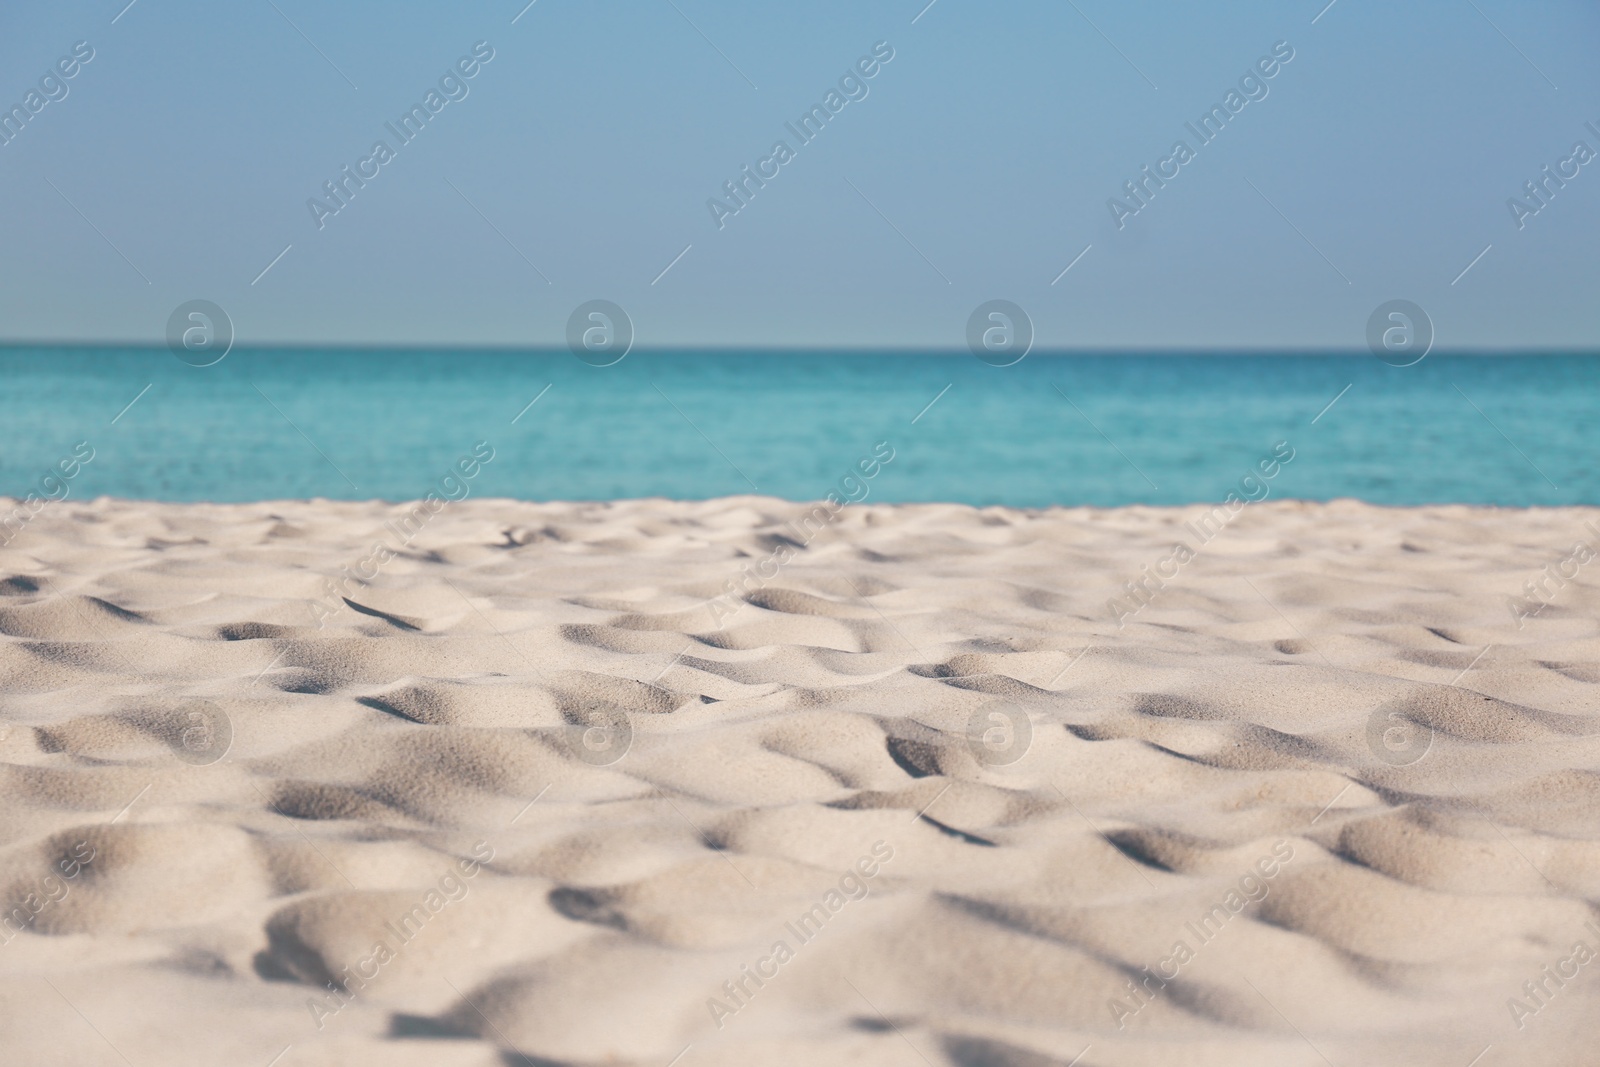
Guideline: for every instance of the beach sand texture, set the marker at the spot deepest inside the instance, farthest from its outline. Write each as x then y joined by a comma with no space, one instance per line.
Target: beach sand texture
524,801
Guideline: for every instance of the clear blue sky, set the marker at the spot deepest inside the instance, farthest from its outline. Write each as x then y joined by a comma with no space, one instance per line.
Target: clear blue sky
978,165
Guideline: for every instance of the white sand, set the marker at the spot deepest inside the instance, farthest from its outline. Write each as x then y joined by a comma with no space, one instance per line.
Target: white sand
585,911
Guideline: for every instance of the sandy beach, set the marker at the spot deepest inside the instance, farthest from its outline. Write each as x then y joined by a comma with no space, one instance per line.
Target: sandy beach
646,782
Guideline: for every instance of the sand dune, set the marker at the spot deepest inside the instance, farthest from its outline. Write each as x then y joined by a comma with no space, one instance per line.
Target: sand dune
519,795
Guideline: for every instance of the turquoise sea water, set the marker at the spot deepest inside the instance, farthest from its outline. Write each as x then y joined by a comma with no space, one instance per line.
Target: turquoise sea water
1110,430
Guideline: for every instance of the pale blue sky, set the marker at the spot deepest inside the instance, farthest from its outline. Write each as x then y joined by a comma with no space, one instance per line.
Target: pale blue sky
978,166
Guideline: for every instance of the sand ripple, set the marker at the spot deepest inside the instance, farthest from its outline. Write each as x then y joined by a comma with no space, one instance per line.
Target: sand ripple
522,799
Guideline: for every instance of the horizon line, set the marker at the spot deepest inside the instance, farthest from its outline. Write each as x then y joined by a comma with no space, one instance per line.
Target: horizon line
11,346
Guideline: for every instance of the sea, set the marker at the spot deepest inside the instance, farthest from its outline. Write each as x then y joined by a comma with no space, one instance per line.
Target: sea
1053,429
